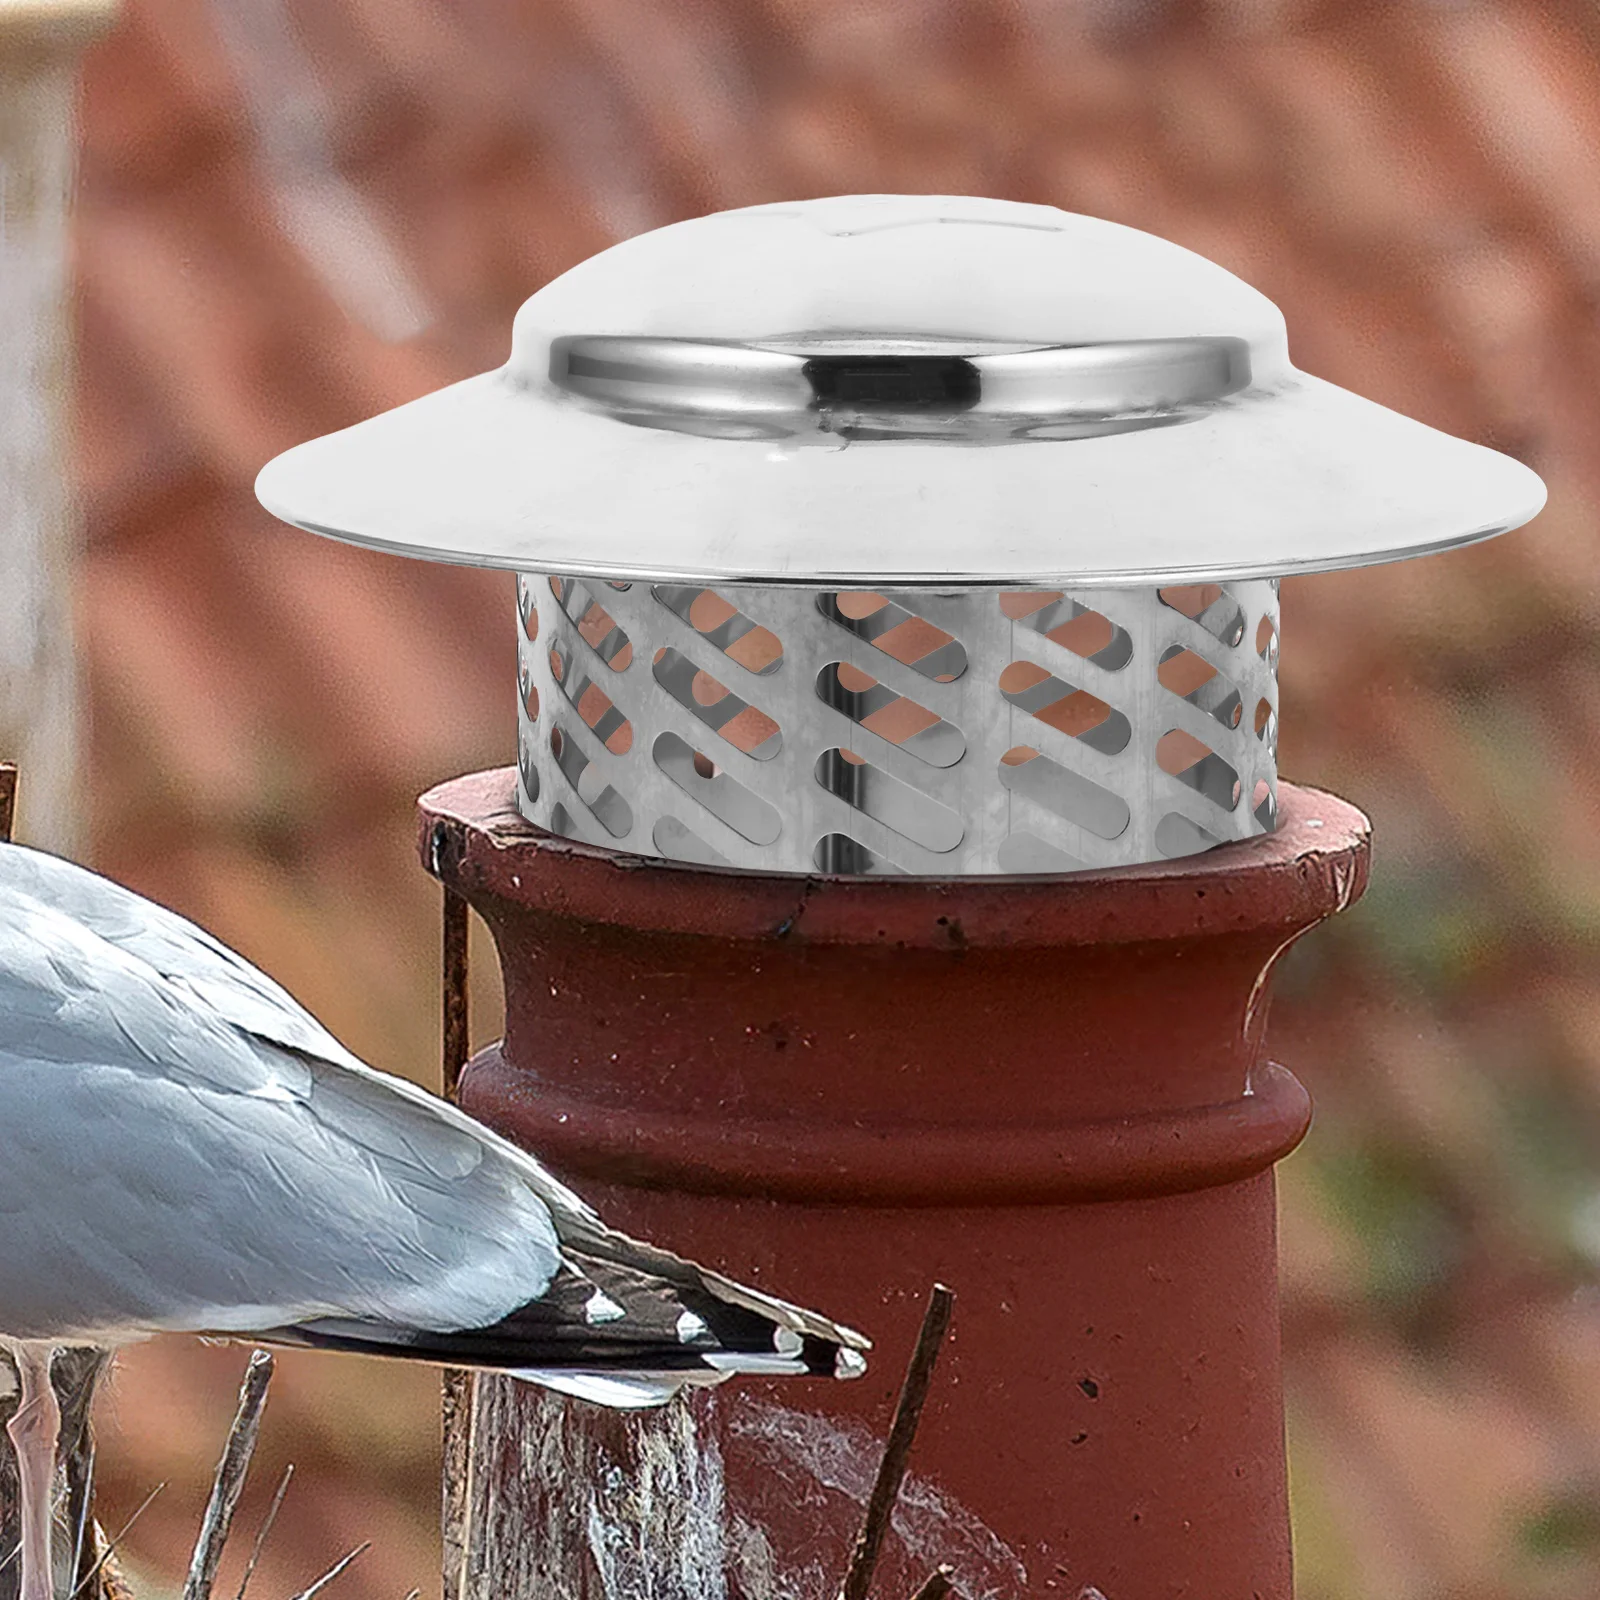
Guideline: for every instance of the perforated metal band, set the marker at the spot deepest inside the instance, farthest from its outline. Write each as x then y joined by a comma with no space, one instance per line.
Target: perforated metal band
983,731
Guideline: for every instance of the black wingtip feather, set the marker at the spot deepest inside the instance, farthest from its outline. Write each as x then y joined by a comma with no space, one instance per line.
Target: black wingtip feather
605,1316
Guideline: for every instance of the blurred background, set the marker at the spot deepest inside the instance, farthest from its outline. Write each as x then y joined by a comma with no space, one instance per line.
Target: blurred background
293,213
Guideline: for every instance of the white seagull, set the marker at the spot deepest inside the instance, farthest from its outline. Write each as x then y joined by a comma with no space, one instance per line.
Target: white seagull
186,1149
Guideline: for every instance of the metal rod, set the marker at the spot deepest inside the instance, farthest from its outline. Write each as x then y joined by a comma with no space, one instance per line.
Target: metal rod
897,1453
456,1395
8,798
455,1045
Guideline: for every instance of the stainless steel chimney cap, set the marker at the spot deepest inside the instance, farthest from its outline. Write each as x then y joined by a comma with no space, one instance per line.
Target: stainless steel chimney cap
899,391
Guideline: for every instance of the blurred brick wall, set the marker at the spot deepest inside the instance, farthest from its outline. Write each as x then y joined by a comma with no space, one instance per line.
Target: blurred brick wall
295,214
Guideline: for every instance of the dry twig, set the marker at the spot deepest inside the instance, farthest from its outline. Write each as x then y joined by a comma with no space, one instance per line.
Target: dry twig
75,1375
264,1530
897,1453
333,1571
229,1483
104,1562
80,1496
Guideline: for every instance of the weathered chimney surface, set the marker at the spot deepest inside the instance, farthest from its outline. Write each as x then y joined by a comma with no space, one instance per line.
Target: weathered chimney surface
1049,1093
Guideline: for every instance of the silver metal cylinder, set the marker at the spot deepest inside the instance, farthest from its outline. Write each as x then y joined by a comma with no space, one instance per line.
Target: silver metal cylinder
973,731
900,533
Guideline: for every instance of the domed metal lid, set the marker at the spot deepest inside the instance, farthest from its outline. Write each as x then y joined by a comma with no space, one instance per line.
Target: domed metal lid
899,390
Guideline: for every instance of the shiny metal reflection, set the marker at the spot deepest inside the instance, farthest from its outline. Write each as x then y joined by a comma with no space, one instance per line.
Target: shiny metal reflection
963,391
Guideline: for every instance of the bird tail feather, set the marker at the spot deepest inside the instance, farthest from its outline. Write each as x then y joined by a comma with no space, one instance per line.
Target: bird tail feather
621,1324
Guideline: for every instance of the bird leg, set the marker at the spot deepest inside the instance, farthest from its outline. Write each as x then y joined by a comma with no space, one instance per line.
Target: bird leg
34,1429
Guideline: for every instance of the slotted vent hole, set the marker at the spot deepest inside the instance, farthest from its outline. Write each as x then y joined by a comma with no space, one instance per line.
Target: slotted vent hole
1194,763
1063,792
528,608
718,792
1074,627
1267,642
529,769
898,806
1187,674
1024,852
839,853
1264,805
593,622
888,626
528,691
614,813
1209,605
721,623
744,726
1020,603
1068,710
1267,726
1177,836
599,712
880,710
678,842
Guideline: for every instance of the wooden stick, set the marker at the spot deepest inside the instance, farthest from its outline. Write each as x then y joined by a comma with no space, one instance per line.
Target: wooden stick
456,1408
229,1482
897,1453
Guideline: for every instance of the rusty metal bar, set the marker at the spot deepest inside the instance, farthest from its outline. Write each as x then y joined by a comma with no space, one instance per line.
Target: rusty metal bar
8,798
454,1044
457,1391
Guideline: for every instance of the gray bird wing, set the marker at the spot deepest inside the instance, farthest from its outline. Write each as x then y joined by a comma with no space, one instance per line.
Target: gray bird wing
183,953
154,1070
161,1167
218,980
